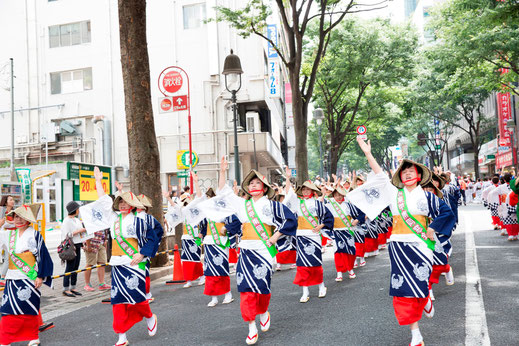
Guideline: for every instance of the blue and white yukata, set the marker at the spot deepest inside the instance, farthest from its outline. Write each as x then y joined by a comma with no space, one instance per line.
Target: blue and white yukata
309,249
152,225
343,239
411,259
128,293
254,269
21,300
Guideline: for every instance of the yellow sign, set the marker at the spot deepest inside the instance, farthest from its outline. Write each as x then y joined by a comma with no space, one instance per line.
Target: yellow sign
183,159
87,185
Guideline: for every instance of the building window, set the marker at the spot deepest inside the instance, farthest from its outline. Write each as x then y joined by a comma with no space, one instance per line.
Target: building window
69,34
66,82
194,15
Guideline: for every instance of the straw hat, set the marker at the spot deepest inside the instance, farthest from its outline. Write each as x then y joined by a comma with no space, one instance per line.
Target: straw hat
437,191
255,174
440,179
27,212
185,199
425,172
309,184
340,190
130,198
145,200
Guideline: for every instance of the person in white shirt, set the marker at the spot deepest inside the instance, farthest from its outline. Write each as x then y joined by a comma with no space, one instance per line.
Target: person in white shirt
72,227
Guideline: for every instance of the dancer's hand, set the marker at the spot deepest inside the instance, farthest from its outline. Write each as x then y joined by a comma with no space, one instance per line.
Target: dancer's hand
38,282
136,259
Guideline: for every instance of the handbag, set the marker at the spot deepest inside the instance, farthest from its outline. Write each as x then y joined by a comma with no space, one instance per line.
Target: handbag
67,250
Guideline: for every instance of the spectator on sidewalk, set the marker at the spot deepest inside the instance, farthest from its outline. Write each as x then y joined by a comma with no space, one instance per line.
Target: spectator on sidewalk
95,251
463,188
72,228
6,223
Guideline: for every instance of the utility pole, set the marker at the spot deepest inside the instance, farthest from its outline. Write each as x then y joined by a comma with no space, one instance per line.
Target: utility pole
13,173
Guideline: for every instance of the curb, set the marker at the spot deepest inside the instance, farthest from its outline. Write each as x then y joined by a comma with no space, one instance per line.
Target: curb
157,273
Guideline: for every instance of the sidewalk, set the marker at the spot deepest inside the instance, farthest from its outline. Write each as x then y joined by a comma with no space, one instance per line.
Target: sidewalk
54,303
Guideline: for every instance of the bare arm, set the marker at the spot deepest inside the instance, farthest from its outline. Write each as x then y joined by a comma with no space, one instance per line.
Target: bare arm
288,183
366,148
98,176
223,173
168,197
197,185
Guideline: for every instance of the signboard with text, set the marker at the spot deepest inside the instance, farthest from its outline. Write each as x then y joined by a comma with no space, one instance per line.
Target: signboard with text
183,159
274,83
82,174
504,114
272,34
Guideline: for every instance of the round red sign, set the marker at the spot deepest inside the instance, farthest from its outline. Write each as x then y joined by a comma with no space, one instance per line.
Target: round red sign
166,105
172,81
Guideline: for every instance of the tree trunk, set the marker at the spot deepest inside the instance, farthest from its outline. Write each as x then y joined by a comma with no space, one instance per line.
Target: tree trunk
476,159
142,142
300,110
334,159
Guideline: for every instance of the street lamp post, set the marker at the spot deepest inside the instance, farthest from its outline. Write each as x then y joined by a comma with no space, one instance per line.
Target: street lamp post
319,116
458,146
329,142
232,72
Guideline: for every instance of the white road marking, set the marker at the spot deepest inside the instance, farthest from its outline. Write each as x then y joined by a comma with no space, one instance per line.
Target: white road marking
476,330
496,247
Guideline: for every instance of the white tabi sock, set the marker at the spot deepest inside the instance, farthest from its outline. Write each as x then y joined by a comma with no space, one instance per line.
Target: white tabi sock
214,299
321,286
306,292
122,338
148,295
264,317
253,330
416,337
339,275
228,296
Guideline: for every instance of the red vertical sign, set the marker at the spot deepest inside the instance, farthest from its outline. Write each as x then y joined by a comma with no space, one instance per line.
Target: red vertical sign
504,114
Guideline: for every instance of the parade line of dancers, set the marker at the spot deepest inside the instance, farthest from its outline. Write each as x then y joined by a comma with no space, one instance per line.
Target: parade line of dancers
412,214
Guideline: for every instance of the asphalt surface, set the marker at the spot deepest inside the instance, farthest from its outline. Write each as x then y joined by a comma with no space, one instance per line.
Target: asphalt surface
354,312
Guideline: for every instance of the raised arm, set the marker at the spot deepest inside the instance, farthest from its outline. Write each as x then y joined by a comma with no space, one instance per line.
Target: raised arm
197,185
167,195
98,176
288,183
366,149
223,173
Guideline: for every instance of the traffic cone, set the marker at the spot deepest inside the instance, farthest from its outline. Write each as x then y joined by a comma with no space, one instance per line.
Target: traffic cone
178,274
43,326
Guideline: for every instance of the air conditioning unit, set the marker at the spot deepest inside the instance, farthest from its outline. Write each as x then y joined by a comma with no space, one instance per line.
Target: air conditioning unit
252,122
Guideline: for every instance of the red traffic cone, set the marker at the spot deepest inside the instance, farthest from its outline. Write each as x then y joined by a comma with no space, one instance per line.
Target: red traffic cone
43,326
178,274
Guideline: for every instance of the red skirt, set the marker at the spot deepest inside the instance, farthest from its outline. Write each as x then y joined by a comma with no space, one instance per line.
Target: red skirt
344,262
192,270
512,229
437,270
389,231
126,315
233,256
371,244
408,310
286,257
495,220
360,249
309,276
148,284
14,328
381,239
253,304
324,241
217,285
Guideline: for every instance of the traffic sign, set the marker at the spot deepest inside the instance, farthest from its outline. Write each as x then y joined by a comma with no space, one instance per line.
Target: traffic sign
165,105
183,159
172,81
361,131
179,103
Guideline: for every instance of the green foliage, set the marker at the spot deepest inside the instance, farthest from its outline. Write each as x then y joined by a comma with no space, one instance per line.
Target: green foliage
482,31
252,16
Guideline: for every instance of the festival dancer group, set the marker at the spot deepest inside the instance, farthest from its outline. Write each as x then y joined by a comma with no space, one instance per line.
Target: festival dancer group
415,212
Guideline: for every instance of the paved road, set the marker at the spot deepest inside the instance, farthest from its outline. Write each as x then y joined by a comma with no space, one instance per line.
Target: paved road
355,312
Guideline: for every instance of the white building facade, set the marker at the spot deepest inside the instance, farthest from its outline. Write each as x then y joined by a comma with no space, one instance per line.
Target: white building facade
69,99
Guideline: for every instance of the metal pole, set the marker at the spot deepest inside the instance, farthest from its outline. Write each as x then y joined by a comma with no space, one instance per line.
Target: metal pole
190,137
13,173
236,152
320,153
254,143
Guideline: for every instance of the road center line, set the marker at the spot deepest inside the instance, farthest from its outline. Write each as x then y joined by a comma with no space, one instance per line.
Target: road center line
476,329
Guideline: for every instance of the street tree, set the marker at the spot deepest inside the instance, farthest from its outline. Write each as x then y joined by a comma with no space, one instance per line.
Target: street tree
452,90
482,30
296,16
366,67
142,142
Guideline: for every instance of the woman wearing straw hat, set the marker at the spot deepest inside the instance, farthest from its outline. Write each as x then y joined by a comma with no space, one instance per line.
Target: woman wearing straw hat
131,245
314,221
193,232
263,222
30,265
342,234
153,225
412,240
